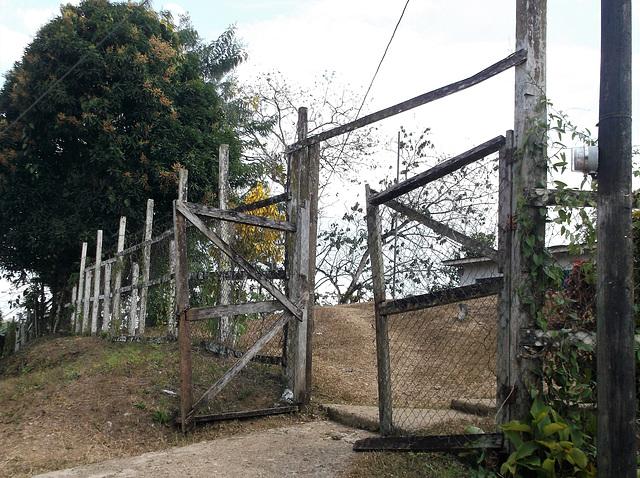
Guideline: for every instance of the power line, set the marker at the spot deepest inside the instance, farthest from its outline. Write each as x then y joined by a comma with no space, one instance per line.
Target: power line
73,67
364,99
382,59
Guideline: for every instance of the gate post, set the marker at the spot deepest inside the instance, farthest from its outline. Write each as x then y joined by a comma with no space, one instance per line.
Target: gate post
182,304
385,406
529,171
300,262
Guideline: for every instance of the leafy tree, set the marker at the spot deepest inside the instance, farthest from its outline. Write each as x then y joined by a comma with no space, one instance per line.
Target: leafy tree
108,102
274,101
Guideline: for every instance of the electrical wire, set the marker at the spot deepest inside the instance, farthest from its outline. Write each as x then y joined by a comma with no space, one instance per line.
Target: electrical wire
73,67
364,99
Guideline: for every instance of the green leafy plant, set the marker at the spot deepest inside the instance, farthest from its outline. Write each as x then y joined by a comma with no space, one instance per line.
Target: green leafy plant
546,445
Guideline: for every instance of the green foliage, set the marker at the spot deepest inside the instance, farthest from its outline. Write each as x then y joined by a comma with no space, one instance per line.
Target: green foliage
547,445
104,107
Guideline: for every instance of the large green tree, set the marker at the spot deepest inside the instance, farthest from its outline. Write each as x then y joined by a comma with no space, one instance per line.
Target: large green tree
105,106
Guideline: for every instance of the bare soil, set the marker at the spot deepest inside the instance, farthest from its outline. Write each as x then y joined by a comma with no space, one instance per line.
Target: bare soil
72,401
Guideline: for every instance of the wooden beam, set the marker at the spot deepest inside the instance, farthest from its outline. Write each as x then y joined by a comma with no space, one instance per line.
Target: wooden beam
438,171
238,259
263,203
242,218
205,313
512,60
385,403
441,297
182,304
452,443
445,230
219,417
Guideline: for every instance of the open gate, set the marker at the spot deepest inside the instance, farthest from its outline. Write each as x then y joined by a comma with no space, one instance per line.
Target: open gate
285,313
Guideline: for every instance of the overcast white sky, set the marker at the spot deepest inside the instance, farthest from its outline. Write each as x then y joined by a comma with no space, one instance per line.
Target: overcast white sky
437,43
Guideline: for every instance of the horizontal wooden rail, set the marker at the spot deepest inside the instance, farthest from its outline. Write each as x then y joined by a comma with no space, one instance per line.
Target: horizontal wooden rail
263,203
205,313
442,297
438,171
450,443
240,217
512,60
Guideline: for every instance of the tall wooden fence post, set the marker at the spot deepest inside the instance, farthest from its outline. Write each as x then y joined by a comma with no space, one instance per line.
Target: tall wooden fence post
182,305
171,307
507,360
133,309
146,265
298,265
106,309
81,298
529,171
87,300
385,404
96,284
117,281
226,332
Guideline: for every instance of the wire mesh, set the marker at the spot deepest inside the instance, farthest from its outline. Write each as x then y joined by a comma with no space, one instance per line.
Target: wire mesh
443,351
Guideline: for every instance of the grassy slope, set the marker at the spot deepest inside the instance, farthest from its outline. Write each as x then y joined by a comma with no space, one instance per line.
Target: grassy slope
73,400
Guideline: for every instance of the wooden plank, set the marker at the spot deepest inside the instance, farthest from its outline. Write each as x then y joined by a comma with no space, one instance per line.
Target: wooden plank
385,404
106,308
146,265
133,309
265,412
96,284
238,259
442,297
86,300
263,203
433,443
81,296
171,320
117,281
226,328
230,310
238,366
438,171
182,304
444,230
512,60
241,218
506,347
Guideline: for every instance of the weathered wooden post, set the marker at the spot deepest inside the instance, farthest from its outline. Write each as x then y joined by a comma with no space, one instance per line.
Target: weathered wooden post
182,305
117,281
87,300
615,315
133,309
226,332
81,298
106,308
298,265
529,171
171,322
385,404
146,265
96,284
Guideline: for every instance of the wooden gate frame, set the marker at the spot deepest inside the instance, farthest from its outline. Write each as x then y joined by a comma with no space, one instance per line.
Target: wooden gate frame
297,300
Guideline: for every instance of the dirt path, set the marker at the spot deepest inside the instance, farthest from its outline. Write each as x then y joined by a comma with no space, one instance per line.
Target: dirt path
316,449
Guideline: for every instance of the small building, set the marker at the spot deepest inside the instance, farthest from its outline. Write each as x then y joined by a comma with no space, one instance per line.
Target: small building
474,270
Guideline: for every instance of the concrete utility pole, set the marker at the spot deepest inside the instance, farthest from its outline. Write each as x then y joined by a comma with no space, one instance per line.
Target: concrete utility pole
615,323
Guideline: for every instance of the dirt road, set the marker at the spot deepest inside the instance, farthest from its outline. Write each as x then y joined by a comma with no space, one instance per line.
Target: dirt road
314,449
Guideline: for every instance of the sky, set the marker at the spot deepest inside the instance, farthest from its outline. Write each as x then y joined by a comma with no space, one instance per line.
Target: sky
437,42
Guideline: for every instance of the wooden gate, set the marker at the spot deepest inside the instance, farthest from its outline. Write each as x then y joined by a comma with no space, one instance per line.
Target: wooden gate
295,302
